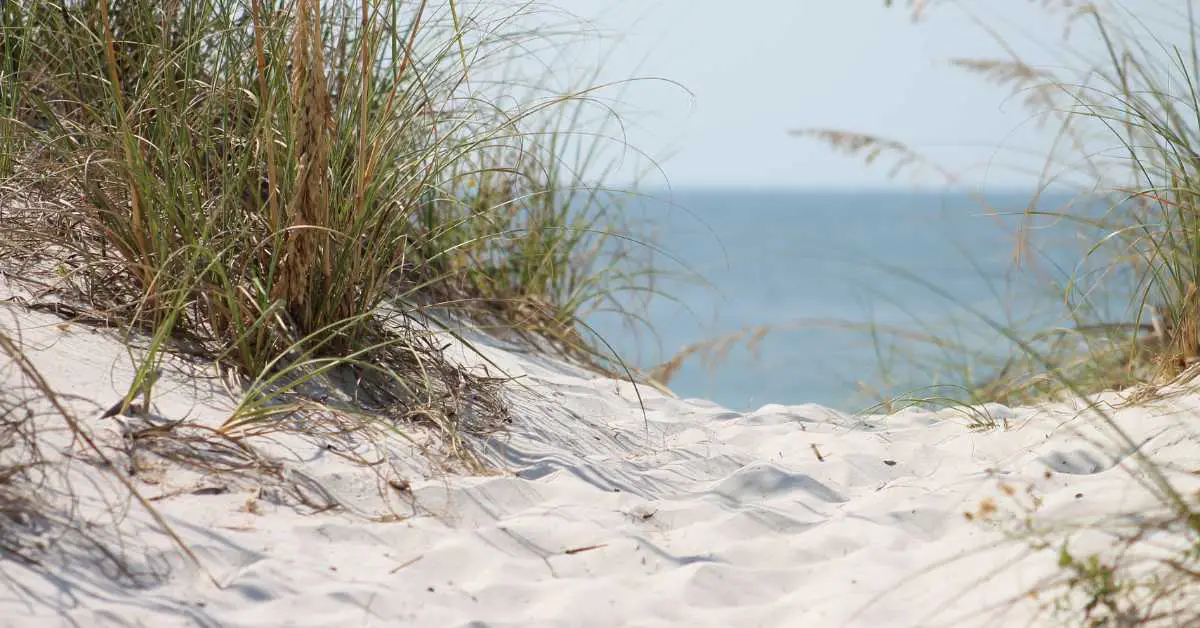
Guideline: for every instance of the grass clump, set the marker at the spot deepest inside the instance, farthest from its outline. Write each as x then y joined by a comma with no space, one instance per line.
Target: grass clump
259,178
302,192
1127,140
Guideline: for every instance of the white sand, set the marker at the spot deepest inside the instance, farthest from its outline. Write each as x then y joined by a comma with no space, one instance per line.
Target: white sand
689,515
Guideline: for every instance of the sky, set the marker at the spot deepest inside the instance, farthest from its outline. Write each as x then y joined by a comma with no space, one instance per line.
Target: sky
733,77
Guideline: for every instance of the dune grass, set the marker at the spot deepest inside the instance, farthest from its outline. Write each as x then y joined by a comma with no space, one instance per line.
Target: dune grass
1126,117
1127,140
309,195
256,180
1126,131
1127,123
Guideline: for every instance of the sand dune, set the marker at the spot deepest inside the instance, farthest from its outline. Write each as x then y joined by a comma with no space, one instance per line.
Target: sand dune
610,511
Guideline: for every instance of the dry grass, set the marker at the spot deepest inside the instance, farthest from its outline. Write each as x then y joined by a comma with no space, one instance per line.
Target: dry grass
304,196
267,186
1129,124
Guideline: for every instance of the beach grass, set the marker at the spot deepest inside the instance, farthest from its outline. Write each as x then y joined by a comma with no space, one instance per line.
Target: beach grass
312,192
1126,120
311,197
1125,113
272,185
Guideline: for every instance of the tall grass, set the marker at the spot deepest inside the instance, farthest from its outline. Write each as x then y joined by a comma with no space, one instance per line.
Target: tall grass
1127,114
258,177
1123,113
295,190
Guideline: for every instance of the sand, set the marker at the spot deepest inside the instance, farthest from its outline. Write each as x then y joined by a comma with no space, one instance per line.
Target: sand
604,510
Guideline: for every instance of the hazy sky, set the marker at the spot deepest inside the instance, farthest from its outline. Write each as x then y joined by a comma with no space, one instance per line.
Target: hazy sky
757,68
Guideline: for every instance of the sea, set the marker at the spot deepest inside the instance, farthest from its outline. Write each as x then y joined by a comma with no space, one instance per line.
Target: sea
846,297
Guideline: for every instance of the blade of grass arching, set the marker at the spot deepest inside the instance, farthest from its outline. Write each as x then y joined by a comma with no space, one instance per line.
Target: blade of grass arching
1122,83
978,417
1159,248
299,357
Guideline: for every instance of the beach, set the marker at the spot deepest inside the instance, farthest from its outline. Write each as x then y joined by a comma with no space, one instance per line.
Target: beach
604,504
394,314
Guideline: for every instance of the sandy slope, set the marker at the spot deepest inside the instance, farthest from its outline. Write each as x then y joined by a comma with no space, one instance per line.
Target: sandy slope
685,515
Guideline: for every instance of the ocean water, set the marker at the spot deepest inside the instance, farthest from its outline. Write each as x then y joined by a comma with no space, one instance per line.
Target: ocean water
821,267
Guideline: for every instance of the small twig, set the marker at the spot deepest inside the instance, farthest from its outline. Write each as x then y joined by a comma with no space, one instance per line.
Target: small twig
406,564
586,548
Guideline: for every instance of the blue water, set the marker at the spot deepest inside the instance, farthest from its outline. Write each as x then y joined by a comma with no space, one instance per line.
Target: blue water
809,261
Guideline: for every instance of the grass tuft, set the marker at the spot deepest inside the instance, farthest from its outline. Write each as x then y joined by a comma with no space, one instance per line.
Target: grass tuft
1128,137
259,179
309,195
